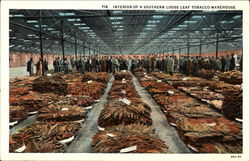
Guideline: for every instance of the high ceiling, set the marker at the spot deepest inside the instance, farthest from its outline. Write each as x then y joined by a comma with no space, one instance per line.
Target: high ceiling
124,31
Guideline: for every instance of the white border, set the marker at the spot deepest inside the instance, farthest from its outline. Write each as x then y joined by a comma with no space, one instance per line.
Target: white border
6,5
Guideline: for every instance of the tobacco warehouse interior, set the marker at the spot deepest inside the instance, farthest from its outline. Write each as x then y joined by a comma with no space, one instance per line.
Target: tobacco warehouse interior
125,81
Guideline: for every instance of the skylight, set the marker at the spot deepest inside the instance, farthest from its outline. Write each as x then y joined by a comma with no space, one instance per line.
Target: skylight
205,28
42,25
32,21
153,21
31,35
116,12
55,31
116,23
190,21
237,16
26,40
161,11
66,13
116,18
86,27
198,17
73,19
50,29
182,25
157,16
18,15
223,22
150,25
79,24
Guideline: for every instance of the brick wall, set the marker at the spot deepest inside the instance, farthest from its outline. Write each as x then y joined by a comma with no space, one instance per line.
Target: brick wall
18,59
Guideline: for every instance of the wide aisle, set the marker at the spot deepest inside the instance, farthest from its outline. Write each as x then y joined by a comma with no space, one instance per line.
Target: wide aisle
166,132
82,143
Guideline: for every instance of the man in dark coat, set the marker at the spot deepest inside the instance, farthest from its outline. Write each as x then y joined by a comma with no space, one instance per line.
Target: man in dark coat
232,62
223,63
30,65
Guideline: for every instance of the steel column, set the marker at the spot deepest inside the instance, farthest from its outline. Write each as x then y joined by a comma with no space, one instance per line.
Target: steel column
75,47
188,46
83,50
89,49
62,39
200,48
217,45
41,41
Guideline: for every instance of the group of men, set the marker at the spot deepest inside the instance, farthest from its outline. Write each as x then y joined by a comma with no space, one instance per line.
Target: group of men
38,65
61,65
167,63
101,64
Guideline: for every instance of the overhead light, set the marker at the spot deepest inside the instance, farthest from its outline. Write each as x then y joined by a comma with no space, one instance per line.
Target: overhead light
11,46
157,16
176,28
13,38
119,29
230,21
32,21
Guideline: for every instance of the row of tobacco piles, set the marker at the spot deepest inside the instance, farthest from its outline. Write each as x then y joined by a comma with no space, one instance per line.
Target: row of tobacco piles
206,113
60,104
125,122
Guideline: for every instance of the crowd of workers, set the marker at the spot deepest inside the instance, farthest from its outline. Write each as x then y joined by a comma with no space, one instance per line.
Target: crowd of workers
169,64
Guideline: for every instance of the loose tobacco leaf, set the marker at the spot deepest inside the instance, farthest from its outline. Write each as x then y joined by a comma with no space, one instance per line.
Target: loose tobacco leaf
141,136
